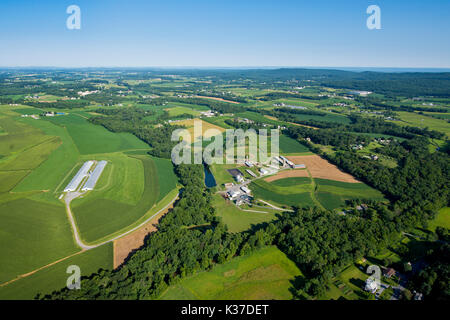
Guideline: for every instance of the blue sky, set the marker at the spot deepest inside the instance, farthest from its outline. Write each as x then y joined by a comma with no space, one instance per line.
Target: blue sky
231,33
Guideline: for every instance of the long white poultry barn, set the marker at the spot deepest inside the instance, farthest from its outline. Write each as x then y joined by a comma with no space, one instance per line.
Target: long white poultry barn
92,180
75,182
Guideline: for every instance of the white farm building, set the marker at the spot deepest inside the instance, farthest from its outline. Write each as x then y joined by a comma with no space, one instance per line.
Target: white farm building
92,180
81,174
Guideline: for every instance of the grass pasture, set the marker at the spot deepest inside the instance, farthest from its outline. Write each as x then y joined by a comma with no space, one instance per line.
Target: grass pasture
265,274
33,234
289,145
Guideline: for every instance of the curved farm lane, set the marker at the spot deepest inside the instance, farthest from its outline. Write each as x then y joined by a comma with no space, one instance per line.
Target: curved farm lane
84,246
70,196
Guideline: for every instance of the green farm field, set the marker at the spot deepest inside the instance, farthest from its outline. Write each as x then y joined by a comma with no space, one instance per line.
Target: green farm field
289,145
423,121
265,274
333,194
54,277
291,196
302,191
91,139
33,235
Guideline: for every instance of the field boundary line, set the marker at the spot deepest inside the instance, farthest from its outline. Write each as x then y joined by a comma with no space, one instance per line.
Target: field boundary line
39,269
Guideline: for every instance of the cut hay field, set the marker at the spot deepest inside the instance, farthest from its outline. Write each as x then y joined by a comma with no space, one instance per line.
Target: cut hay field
238,220
265,274
321,168
54,277
189,124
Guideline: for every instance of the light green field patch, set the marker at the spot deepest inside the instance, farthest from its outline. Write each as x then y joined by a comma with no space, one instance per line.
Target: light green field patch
18,136
93,139
176,111
262,275
53,171
301,187
9,179
333,194
289,145
441,220
32,157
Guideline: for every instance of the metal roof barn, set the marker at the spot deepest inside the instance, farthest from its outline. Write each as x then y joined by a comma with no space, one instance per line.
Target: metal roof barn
75,182
92,180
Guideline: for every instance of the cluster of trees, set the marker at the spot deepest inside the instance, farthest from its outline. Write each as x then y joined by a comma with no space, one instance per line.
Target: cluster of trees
420,180
331,137
301,111
244,125
433,280
59,104
286,95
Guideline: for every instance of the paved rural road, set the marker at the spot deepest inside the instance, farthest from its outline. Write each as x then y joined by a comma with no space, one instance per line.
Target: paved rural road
72,195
